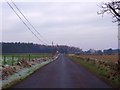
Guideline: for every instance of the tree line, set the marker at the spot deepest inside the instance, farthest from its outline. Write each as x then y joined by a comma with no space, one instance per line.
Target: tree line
18,47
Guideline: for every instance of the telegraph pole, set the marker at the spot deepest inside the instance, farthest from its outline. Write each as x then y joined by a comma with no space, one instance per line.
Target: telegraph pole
119,39
52,49
52,43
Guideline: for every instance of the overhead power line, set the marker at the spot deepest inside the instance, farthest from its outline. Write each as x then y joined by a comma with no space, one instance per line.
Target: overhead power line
28,20
24,23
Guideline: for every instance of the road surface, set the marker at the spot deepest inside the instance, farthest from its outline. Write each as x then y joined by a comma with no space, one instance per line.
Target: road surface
62,73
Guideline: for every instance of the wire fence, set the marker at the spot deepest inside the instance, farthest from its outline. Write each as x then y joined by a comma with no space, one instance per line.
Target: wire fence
13,59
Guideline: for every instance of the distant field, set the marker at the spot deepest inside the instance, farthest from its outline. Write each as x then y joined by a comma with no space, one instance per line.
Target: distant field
13,58
112,58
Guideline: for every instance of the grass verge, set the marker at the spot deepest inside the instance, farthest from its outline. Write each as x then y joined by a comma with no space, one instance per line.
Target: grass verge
101,72
21,75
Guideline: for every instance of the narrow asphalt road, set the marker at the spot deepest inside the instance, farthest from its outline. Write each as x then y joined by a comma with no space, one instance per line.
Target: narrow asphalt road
62,73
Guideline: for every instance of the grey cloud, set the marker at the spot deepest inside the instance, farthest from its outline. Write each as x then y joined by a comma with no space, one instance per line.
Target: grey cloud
64,23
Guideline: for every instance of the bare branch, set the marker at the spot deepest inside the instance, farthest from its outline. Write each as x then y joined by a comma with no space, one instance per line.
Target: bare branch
111,8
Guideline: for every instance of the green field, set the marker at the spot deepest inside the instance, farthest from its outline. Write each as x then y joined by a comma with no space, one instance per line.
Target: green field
11,59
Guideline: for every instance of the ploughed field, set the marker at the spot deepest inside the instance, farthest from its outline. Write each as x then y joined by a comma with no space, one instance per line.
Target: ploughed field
104,65
111,58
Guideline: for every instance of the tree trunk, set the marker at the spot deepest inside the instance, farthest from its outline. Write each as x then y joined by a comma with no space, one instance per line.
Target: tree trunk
119,42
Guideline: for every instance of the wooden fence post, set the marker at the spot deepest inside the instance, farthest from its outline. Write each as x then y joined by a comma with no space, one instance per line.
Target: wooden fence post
12,60
18,58
29,58
4,60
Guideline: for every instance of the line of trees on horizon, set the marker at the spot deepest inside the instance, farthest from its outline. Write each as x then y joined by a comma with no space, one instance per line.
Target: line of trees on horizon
18,47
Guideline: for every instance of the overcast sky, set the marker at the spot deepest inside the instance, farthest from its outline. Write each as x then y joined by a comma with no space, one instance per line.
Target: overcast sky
64,23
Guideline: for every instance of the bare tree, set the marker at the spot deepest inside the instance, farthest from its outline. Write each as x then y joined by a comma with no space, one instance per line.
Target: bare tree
113,8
